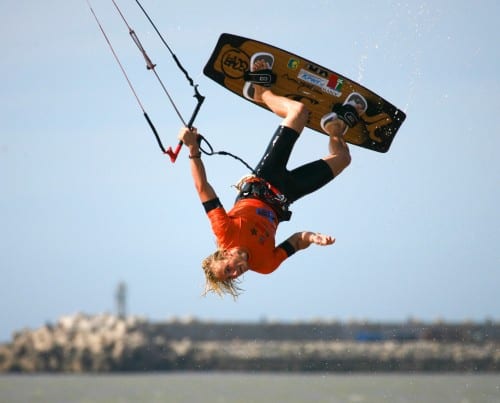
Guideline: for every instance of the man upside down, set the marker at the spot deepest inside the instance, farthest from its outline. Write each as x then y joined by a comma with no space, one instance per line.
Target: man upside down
245,235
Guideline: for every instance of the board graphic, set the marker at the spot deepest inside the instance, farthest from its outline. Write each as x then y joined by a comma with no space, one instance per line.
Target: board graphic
317,87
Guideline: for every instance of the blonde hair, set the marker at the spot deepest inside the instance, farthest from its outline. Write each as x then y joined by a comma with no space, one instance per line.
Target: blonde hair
214,284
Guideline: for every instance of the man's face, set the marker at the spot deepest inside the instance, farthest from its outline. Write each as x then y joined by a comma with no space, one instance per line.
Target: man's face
234,264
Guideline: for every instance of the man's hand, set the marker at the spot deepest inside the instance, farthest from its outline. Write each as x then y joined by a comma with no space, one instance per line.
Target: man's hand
304,239
321,239
190,138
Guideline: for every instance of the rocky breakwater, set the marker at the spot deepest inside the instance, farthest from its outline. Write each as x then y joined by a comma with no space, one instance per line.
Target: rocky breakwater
106,343
82,343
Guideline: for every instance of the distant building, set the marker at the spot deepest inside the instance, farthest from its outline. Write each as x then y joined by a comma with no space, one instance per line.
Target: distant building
121,300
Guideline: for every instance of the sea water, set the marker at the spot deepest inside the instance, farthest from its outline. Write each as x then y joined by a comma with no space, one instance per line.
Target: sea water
223,387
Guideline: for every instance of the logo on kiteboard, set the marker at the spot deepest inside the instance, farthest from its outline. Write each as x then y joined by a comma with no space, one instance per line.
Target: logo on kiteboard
293,64
234,63
318,77
336,83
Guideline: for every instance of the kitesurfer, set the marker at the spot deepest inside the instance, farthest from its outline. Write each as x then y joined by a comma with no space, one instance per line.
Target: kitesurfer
245,235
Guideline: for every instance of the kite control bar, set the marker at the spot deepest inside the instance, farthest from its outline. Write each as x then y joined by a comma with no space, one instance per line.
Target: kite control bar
174,153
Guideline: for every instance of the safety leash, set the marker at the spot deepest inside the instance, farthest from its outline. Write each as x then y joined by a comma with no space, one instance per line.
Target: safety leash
211,152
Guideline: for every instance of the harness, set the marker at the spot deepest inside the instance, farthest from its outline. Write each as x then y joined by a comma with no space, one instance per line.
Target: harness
258,188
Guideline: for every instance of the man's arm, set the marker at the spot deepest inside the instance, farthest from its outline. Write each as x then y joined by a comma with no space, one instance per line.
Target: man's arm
302,240
204,189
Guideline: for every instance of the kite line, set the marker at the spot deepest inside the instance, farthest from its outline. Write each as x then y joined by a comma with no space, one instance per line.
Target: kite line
151,66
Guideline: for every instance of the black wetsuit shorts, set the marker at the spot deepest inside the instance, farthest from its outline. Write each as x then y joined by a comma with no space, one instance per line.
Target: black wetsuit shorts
298,182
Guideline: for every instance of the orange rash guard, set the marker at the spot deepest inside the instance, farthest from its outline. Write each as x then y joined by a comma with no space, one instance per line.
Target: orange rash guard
251,225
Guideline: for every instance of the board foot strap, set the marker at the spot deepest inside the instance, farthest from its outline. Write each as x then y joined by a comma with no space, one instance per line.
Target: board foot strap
261,77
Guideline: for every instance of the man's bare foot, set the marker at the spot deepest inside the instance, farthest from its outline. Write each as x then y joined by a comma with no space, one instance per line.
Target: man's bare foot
360,108
351,111
335,127
260,64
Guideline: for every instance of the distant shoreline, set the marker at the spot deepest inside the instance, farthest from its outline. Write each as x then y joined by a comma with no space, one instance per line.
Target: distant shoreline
106,343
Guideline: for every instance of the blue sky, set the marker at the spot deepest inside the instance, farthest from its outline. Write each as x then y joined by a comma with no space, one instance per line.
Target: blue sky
87,200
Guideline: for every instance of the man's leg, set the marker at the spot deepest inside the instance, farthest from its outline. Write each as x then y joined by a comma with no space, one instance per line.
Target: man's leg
335,124
294,113
339,157
272,166
310,177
